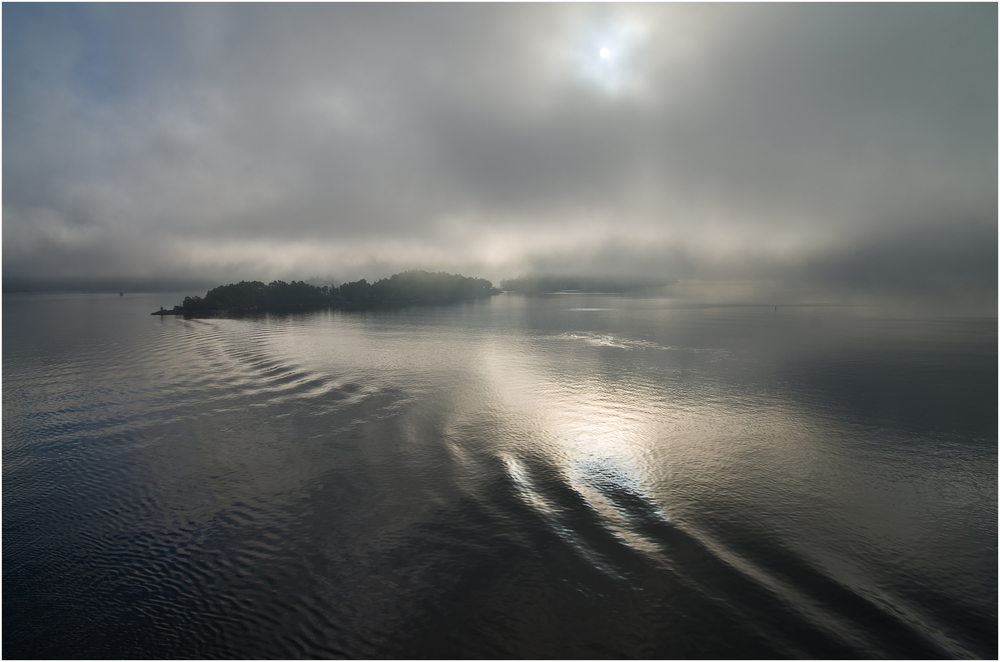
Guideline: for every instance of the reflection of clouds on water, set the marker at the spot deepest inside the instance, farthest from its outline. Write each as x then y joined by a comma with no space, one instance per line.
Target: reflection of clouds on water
557,517
591,438
622,502
478,455
664,462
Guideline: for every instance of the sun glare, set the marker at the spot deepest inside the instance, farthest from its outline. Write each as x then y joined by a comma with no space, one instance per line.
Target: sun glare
603,54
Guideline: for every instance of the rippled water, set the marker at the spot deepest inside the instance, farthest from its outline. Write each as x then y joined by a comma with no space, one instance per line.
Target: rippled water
564,476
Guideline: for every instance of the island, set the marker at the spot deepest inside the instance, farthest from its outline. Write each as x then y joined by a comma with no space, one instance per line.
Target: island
402,289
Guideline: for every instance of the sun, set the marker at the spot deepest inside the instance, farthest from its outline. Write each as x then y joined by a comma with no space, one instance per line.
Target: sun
605,52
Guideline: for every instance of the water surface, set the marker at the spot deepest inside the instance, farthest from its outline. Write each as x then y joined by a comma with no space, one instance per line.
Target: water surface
564,476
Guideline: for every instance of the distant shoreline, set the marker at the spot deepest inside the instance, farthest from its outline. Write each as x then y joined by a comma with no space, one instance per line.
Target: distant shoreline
399,290
239,312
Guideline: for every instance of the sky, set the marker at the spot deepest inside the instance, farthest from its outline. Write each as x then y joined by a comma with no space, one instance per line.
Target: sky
844,145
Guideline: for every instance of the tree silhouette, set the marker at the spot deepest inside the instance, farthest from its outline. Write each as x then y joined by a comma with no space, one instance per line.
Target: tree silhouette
408,287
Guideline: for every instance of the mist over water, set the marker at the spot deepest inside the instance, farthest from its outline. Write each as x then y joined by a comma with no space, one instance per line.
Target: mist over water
788,450
839,145
573,475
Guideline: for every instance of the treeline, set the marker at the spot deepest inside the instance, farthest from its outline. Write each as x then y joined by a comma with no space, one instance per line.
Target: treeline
255,295
415,287
544,284
409,287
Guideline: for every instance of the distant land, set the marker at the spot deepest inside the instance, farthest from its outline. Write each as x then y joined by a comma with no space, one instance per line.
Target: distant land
402,289
546,284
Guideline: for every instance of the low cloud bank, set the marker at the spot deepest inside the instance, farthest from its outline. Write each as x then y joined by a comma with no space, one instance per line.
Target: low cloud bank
846,146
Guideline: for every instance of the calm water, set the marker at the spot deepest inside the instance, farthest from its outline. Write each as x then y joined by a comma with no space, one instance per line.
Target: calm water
563,476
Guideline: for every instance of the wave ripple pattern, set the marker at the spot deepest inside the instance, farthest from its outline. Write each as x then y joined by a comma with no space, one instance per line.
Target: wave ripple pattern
577,476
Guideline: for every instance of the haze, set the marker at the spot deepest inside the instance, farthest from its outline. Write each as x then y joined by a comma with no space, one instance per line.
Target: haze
831,146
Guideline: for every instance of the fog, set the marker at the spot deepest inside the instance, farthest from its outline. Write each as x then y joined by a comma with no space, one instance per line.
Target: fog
847,147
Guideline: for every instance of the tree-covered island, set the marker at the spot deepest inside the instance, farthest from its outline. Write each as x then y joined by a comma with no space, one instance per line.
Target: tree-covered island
402,289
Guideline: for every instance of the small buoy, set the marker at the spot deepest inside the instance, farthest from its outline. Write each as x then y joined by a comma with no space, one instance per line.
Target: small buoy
121,294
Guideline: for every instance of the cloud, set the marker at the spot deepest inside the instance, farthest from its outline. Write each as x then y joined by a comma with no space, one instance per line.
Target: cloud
228,141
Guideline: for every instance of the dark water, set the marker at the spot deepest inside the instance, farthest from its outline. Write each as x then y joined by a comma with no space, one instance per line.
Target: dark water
566,476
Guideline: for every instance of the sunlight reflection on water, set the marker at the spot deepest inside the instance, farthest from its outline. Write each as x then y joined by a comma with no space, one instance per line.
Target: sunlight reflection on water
662,481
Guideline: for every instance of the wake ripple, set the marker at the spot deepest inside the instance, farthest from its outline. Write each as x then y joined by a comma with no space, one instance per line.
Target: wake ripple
611,526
